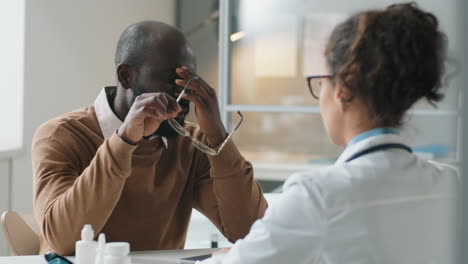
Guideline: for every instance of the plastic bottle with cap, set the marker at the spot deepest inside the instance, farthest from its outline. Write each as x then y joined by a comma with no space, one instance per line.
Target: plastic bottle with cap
101,248
117,253
85,249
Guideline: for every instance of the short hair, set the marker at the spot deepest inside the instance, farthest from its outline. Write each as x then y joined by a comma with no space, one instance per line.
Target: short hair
135,41
390,59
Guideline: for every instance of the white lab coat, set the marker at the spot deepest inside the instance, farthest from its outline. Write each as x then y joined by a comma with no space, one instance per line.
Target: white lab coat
384,207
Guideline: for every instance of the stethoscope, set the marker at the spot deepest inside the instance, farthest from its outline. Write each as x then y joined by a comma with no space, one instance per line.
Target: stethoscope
379,148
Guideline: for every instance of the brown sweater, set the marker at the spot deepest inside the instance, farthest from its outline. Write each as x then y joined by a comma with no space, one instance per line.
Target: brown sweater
141,194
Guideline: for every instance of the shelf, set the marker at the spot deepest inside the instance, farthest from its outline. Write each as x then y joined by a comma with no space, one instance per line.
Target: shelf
316,110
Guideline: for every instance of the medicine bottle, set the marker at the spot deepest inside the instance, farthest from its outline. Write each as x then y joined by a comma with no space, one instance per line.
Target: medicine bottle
117,253
85,249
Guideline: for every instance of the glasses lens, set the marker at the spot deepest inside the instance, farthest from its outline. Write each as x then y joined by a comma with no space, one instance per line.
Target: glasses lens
204,148
178,128
181,131
315,86
199,145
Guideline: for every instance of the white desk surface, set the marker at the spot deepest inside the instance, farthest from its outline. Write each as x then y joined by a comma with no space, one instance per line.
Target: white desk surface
145,257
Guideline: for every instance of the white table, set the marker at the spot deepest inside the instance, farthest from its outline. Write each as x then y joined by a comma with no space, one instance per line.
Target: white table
144,257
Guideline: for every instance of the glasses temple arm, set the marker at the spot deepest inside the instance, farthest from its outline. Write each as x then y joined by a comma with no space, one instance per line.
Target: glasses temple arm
185,88
230,134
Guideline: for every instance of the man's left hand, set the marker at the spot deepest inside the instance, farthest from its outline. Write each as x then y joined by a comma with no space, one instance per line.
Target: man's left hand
203,96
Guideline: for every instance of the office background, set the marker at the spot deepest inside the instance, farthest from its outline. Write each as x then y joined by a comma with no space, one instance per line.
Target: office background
270,46
67,57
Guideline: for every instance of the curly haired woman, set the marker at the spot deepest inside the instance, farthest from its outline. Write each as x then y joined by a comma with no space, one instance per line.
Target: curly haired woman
379,203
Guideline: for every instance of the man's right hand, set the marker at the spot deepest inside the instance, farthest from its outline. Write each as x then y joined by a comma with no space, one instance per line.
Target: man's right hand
145,115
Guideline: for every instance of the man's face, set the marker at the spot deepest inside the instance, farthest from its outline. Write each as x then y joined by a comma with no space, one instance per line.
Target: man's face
158,75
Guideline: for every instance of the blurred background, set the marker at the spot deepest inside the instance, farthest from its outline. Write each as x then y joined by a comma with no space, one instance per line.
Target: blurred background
57,55
271,45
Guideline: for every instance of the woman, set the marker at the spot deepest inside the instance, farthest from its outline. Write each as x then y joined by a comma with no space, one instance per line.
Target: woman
379,203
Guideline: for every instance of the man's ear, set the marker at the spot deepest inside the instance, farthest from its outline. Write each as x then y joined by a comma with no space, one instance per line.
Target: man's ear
126,76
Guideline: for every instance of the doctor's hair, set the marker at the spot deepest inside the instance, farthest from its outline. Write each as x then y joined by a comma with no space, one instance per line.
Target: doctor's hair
390,59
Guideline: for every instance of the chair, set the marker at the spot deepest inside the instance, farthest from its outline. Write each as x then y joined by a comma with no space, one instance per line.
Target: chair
21,233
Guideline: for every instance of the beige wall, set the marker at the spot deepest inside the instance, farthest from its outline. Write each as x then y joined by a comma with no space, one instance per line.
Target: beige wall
69,51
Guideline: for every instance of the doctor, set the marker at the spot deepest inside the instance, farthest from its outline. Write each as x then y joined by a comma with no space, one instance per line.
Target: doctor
379,203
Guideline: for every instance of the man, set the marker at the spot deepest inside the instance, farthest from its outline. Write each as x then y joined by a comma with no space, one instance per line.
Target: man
120,167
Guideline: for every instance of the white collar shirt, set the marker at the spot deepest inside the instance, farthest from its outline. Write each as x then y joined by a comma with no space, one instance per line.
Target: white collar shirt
108,121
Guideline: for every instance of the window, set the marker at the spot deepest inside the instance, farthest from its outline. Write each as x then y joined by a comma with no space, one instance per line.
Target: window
266,48
269,46
11,68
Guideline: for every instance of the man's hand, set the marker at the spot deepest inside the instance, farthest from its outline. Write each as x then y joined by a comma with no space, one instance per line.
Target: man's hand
206,106
145,115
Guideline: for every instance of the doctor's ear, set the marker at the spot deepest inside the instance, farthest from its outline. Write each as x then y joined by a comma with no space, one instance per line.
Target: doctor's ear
343,96
126,75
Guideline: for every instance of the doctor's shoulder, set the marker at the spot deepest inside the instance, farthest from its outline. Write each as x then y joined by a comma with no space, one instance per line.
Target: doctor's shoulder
327,184
443,167
445,170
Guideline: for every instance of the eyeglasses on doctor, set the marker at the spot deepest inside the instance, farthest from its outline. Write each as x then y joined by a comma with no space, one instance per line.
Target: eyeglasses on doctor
198,144
315,84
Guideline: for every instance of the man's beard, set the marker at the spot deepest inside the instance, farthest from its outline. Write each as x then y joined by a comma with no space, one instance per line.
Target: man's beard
165,130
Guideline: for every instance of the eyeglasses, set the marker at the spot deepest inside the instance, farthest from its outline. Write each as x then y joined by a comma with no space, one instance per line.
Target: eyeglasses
315,84
198,144
54,258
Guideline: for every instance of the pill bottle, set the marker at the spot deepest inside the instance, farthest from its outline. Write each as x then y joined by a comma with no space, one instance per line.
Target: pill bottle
117,253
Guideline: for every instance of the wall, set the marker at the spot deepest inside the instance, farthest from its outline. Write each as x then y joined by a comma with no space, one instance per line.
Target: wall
69,53
11,54
204,41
